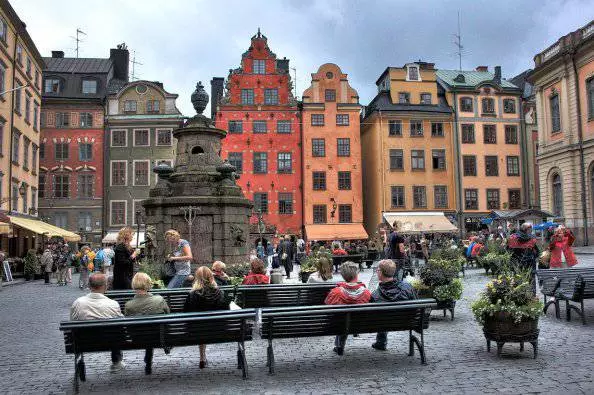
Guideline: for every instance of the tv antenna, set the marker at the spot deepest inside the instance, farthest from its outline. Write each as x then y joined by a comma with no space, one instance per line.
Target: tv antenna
78,39
458,44
134,63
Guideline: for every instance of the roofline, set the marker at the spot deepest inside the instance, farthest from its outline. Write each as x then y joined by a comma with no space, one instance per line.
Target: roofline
386,71
468,88
22,31
129,84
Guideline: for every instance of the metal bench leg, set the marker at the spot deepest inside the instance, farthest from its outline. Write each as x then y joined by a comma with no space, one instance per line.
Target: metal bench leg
488,345
243,361
547,304
583,312
76,385
411,347
579,311
420,347
567,310
499,348
270,357
239,355
557,310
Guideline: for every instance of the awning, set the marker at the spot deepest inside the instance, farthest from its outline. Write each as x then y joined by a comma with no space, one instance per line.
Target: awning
4,228
335,232
43,228
417,222
111,238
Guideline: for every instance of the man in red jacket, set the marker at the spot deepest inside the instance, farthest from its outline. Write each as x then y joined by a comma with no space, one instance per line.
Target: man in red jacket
348,292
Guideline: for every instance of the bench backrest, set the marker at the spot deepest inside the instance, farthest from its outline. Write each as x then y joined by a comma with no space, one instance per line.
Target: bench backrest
158,331
256,296
340,259
546,274
345,319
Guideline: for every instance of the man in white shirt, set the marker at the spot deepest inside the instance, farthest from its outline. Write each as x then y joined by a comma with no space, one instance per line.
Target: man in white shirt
96,306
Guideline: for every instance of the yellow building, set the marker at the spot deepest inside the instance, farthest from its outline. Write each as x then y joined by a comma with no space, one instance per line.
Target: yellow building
406,137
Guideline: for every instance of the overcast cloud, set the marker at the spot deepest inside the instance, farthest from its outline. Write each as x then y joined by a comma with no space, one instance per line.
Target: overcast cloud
180,42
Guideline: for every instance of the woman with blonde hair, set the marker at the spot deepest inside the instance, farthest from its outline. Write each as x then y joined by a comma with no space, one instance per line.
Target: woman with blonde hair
123,260
205,296
324,272
180,257
220,276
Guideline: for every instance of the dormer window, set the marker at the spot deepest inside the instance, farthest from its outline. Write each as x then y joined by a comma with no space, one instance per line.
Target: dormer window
404,98
425,98
53,85
384,85
130,106
152,106
412,73
89,86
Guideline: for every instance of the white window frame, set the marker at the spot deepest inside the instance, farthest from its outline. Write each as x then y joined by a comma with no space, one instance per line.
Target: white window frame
148,178
157,161
134,202
111,138
134,137
111,162
408,67
157,137
111,202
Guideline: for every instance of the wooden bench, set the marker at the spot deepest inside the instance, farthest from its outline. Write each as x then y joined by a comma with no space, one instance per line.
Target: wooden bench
571,285
157,331
338,260
273,295
333,320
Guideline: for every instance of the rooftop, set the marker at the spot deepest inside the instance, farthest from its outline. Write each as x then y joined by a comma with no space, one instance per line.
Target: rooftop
471,78
77,65
383,102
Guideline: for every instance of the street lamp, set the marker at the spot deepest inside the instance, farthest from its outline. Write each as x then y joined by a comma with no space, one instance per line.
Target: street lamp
333,207
138,215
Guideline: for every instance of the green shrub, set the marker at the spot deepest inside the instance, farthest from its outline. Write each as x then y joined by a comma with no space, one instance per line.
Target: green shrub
451,291
438,272
152,268
238,270
31,264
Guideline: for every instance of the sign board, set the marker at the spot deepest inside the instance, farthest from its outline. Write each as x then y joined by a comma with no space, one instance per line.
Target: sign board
7,272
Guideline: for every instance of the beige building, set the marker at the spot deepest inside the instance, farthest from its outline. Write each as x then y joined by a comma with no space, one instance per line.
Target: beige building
563,79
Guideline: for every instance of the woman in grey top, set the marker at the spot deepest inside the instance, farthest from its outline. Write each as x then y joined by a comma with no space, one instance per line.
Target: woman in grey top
145,303
181,258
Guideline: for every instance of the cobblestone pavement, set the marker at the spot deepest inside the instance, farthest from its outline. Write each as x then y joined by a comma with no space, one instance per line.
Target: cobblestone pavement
32,358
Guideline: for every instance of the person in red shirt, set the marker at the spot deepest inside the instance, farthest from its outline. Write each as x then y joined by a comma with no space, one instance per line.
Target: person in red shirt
477,248
336,250
348,292
257,274
562,255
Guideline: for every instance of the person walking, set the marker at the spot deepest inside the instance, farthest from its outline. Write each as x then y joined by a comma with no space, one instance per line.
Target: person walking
47,261
87,266
123,261
284,252
260,251
61,260
562,255
180,257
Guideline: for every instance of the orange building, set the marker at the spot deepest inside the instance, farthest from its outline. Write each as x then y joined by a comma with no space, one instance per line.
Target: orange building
332,196
406,137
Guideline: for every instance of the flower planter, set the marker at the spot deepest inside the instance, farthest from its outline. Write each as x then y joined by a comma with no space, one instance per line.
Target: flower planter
304,276
501,329
446,305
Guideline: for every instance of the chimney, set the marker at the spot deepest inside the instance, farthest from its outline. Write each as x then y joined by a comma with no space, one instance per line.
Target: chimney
282,65
57,54
120,58
216,93
497,77
482,68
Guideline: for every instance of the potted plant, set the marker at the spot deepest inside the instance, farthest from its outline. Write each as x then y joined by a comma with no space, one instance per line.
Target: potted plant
308,266
237,272
509,311
495,262
31,264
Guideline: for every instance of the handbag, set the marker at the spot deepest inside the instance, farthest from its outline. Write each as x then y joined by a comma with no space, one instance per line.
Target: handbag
169,269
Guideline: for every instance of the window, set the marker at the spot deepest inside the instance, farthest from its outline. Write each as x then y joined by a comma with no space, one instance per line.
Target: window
28,69
440,196
469,164
117,212
130,106
589,93
141,173
319,214
555,115
26,144
41,150
43,119
343,146
24,197
425,98
285,163
34,150
466,104
62,119
319,180
86,119
61,186
1,138
511,134
85,152
437,129
491,166
413,73
416,128
259,126
61,220
396,159
19,54
85,185
89,86
471,199
85,221
317,119
37,79
509,106
394,128
259,66
419,197
260,162
557,196
41,184
404,98
119,138
344,180
35,116
118,173
164,137
3,29
490,134
397,194
493,199
488,106
271,96
16,142
330,95
513,166
235,127
285,203
514,199
17,97
467,134
153,106
33,198
342,119
283,127
53,85
141,138
15,196
236,159
438,159
417,159
318,147
345,213
261,202
27,107
247,96
2,77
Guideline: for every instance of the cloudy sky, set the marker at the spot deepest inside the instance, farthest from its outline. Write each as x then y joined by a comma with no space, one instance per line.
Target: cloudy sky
180,42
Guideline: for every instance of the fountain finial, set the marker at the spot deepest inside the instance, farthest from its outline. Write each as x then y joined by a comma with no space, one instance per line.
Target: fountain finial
199,98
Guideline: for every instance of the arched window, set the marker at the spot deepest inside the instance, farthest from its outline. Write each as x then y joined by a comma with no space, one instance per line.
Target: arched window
557,192
197,150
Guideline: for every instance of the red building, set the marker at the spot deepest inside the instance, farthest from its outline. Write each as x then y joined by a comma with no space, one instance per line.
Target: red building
261,117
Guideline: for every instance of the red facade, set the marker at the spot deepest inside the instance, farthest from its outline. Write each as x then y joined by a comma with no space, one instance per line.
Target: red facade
261,118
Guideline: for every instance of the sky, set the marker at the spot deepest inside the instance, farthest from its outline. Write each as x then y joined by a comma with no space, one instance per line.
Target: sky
181,42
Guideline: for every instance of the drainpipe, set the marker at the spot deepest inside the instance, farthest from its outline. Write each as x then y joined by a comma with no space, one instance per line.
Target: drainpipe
524,157
457,172
302,139
581,148
14,66
383,164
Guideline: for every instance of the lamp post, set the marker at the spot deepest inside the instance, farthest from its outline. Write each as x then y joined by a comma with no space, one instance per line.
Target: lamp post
138,216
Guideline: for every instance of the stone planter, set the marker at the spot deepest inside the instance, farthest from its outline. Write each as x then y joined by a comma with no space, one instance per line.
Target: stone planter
501,329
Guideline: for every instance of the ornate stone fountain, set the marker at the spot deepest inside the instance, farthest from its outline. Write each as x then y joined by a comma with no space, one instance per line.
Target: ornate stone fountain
199,197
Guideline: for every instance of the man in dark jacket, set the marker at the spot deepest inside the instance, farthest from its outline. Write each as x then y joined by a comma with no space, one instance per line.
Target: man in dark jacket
285,253
389,290
524,248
